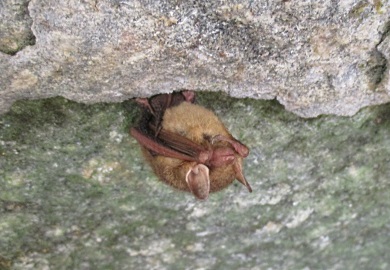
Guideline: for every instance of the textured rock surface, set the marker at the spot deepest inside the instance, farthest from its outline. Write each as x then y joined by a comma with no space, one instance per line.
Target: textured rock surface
315,57
76,195
15,26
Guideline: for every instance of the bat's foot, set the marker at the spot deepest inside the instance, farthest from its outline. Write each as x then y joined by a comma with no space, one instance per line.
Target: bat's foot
189,96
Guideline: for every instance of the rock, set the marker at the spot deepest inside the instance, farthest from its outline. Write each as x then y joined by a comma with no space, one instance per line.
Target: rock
313,57
15,26
75,192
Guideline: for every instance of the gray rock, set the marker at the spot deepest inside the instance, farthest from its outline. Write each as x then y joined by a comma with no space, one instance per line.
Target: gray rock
323,57
15,26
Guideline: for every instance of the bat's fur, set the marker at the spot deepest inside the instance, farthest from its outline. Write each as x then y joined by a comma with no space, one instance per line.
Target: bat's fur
177,115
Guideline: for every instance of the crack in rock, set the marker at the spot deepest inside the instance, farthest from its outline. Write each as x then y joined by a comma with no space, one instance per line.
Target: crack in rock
381,72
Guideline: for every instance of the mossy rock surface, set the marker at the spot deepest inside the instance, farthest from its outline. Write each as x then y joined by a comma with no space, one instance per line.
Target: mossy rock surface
76,194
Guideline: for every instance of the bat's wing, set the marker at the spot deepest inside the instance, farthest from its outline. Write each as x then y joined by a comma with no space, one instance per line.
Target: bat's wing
157,147
172,145
185,146
155,107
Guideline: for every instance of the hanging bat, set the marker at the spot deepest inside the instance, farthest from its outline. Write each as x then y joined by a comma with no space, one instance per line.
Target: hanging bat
187,145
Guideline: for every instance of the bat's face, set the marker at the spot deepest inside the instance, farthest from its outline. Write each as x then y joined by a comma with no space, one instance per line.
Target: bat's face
187,145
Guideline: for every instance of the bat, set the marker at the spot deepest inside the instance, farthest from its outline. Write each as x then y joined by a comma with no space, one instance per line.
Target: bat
187,146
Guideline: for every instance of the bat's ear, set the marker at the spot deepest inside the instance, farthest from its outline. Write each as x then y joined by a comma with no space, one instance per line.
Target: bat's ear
240,175
198,181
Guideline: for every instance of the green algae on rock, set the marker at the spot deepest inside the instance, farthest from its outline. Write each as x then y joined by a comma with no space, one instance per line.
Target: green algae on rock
76,194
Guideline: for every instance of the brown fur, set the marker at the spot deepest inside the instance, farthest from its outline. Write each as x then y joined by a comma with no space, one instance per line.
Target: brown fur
187,146
199,125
